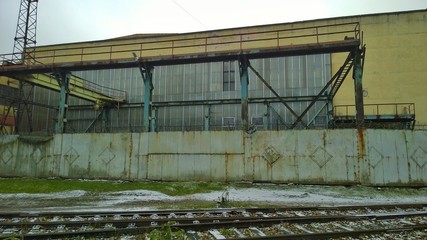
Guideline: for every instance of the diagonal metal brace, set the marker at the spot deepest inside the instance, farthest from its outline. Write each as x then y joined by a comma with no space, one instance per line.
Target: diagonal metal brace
275,93
94,120
328,84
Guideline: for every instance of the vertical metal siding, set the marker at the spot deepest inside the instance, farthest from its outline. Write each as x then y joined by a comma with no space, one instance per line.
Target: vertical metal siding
289,76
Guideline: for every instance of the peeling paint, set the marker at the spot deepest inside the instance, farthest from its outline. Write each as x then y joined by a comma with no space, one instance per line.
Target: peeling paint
369,157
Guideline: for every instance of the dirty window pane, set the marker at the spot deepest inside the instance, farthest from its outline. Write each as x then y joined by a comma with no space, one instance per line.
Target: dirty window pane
228,81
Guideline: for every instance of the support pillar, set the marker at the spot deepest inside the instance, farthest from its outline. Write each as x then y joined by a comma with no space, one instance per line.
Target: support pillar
147,76
64,82
244,84
358,88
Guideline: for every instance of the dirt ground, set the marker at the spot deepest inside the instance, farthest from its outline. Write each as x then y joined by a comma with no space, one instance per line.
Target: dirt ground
257,196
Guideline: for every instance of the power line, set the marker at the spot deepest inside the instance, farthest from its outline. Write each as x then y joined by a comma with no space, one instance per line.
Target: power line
190,14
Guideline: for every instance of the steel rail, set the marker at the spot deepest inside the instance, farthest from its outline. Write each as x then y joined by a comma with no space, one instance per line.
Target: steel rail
215,219
199,224
212,211
328,235
323,235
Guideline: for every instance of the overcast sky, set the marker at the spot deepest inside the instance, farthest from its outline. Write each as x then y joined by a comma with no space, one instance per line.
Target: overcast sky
65,21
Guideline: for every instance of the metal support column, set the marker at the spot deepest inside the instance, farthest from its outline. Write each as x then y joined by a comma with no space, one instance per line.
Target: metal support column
147,76
358,89
63,82
244,83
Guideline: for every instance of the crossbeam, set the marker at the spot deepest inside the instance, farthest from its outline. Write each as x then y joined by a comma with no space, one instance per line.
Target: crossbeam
78,88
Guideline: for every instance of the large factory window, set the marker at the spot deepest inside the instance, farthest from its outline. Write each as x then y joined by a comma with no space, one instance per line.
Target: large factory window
228,80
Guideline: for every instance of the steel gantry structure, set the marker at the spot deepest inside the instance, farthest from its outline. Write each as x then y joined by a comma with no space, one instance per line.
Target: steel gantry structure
51,66
240,45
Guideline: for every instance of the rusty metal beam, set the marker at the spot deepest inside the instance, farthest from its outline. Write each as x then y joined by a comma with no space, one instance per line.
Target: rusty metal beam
303,49
358,88
244,86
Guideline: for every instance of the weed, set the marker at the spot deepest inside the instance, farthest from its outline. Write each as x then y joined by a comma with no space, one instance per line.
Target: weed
28,185
166,233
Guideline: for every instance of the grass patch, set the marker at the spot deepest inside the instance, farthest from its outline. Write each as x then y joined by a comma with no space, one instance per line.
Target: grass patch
26,185
29,185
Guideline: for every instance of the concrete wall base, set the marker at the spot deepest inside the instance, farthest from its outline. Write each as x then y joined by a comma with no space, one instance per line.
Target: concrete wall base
368,157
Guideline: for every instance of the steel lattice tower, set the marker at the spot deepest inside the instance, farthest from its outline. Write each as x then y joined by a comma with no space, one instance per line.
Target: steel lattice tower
23,53
25,37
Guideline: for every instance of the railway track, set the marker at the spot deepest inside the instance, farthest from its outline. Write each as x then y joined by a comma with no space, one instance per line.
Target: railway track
342,222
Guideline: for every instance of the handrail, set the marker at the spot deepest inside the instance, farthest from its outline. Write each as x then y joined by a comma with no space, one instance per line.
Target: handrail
208,44
397,109
107,91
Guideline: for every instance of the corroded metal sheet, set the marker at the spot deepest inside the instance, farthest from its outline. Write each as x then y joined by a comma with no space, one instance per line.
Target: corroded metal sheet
369,157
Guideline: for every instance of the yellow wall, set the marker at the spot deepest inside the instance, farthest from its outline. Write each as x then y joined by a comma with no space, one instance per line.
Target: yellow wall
396,61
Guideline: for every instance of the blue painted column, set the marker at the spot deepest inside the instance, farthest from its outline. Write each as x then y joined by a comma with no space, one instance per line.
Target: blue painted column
358,88
147,75
64,82
244,84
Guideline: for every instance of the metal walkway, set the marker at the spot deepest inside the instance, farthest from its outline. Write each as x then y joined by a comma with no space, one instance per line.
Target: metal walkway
387,115
220,45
